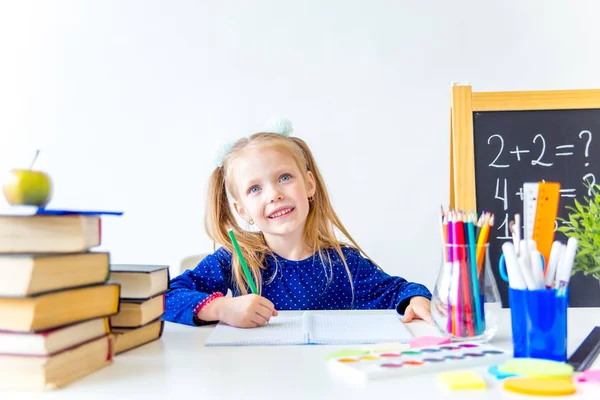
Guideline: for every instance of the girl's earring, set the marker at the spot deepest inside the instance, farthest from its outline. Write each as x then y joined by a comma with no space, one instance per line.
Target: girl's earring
251,221
310,199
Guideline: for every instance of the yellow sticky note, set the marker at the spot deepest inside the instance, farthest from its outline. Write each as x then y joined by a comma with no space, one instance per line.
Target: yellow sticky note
462,380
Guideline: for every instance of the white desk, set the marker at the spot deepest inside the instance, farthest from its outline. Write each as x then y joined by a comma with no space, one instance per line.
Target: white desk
179,366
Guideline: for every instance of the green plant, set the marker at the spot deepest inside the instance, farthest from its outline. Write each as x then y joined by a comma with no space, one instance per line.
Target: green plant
584,225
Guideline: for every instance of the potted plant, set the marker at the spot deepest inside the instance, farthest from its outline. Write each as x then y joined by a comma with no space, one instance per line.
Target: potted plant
584,225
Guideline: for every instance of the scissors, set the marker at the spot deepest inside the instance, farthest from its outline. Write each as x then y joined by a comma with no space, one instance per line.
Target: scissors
502,267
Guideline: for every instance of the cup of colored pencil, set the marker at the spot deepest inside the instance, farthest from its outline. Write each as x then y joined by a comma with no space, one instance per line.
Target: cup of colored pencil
465,289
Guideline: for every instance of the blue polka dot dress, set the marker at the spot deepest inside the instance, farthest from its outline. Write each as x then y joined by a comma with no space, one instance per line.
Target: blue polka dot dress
308,284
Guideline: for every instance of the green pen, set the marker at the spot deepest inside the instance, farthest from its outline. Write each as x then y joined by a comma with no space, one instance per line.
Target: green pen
243,262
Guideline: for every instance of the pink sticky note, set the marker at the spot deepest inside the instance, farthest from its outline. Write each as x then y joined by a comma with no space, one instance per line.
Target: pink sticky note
591,375
425,341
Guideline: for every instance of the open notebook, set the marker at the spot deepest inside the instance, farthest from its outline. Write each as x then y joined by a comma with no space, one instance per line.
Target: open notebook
313,327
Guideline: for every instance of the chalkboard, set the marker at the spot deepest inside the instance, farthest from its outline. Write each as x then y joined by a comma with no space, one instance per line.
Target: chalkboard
500,140
513,147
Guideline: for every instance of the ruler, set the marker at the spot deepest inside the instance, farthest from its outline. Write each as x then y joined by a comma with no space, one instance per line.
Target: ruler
530,195
545,217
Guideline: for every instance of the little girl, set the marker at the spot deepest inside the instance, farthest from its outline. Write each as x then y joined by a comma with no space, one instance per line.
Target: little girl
295,259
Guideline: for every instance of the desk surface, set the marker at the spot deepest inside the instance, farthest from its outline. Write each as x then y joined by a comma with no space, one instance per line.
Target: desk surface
179,366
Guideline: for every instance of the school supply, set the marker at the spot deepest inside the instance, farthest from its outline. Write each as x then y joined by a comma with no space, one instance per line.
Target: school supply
465,283
590,375
140,281
586,353
426,341
243,262
555,256
516,230
55,370
537,269
49,233
563,270
30,274
461,380
53,340
540,209
540,386
39,312
536,368
538,274
546,212
530,196
539,323
134,313
131,338
412,362
496,373
314,327
25,210
512,271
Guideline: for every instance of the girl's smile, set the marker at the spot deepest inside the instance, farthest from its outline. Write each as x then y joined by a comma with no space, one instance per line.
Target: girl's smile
281,212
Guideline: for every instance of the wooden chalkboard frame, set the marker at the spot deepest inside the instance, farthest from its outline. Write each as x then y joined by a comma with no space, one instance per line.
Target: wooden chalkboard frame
465,102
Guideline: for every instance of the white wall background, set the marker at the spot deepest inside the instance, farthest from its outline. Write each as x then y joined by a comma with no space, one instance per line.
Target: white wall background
127,101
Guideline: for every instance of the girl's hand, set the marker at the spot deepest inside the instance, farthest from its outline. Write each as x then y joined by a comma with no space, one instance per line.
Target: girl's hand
249,311
418,308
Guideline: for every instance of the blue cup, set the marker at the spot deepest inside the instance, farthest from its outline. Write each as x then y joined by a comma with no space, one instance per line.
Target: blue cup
539,321
539,324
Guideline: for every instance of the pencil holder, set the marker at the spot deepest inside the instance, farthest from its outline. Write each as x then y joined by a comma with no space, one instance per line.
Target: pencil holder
466,302
539,323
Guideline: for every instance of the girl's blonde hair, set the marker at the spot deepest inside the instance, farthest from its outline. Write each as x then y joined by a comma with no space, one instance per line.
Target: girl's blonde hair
321,222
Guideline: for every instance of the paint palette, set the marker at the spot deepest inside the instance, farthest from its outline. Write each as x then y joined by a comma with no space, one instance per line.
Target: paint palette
379,365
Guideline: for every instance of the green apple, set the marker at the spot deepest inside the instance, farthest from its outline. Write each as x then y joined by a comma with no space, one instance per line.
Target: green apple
27,187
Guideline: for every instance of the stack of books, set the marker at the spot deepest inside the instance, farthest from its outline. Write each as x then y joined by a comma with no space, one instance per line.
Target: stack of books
142,304
55,301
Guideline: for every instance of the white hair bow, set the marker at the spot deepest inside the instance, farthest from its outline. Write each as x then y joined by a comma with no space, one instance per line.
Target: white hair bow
279,125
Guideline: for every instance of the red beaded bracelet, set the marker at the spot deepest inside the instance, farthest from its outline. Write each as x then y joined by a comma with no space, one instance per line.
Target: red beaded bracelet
203,303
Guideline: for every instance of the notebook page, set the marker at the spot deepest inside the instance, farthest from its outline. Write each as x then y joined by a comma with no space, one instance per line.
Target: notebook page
357,329
279,331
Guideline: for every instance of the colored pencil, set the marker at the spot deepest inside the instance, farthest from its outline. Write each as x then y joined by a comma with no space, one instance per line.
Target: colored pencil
243,262
448,249
466,291
482,240
474,274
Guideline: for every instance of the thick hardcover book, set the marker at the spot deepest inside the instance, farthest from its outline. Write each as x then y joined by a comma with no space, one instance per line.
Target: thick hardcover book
49,234
140,281
53,309
30,274
131,338
134,313
53,340
57,370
